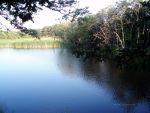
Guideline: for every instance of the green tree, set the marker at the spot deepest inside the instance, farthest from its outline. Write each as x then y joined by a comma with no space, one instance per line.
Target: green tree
121,32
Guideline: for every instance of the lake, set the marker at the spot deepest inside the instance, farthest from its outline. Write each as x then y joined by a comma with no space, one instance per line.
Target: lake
55,81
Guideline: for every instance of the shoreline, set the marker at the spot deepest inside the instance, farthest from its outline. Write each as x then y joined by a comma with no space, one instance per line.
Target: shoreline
44,43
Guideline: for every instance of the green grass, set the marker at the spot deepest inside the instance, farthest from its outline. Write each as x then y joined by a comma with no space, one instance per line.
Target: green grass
32,43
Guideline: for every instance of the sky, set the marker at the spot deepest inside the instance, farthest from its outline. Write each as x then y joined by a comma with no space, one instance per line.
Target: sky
47,17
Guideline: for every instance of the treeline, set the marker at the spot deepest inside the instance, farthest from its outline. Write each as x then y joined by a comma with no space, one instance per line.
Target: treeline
13,35
120,32
55,31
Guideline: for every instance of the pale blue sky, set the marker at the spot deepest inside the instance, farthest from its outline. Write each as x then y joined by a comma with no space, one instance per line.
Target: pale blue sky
47,17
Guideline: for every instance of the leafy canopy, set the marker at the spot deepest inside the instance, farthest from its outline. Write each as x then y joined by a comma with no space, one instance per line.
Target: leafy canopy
19,11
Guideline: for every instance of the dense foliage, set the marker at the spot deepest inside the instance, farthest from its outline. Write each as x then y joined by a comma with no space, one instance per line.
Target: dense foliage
120,32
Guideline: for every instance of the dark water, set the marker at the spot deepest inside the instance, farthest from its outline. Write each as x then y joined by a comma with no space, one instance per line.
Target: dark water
54,81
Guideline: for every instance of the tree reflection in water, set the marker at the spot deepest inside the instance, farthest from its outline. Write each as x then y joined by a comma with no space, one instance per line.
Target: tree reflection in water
129,89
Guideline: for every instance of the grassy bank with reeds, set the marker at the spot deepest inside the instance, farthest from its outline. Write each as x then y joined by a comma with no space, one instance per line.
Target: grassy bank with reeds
27,43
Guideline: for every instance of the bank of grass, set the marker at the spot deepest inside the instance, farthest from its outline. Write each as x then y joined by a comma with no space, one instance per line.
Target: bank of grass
27,43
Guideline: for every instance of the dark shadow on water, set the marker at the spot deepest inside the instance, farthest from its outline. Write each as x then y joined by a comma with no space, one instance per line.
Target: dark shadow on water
130,89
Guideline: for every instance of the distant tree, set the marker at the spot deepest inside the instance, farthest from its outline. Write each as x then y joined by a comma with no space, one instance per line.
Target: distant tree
32,32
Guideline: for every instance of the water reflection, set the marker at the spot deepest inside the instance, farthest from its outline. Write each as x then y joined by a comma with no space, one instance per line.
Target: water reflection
55,81
129,89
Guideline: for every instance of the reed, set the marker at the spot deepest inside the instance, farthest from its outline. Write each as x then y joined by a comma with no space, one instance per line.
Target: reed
32,43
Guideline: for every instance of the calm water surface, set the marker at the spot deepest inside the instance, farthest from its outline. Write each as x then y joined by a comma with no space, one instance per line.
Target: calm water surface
54,81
